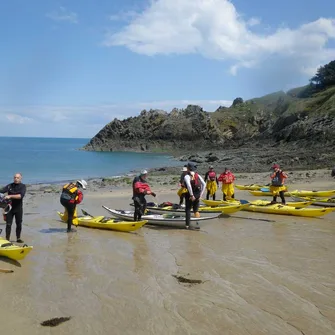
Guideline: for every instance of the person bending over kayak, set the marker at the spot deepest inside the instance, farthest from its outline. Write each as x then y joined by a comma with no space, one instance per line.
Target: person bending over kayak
277,183
140,190
15,193
195,189
70,197
227,178
182,190
212,182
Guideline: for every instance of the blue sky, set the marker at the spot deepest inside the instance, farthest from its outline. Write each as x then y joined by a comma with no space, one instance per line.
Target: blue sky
68,67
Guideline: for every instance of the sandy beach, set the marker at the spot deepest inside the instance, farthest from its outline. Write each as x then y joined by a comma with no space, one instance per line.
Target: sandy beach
274,276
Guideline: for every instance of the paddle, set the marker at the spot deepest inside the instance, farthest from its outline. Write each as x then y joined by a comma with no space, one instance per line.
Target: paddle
87,214
256,219
6,271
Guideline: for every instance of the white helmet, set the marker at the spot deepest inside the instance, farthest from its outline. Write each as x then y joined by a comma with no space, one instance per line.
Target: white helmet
82,183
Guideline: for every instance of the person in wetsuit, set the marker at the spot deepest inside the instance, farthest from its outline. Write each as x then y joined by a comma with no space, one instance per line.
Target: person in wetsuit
15,192
70,197
195,189
140,190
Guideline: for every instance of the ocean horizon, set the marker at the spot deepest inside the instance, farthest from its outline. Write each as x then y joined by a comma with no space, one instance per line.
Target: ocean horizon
55,159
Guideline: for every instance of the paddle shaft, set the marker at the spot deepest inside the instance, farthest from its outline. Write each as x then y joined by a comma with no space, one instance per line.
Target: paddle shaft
242,217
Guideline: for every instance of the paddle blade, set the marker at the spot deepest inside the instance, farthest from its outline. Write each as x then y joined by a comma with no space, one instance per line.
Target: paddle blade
85,213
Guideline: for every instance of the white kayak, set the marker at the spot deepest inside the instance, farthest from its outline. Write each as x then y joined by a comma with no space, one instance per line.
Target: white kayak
180,211
166,220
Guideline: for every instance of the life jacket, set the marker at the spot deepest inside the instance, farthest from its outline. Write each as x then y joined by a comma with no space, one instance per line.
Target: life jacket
140,187
195,184
211,175
227,178
277,180
70,191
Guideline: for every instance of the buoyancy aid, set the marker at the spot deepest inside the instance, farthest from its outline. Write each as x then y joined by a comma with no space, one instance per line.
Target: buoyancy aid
141,187
195,184
227,178
70,189
277,179
211,175
71,193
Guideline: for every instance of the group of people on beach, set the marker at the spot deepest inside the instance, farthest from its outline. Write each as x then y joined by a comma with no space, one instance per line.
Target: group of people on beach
192,187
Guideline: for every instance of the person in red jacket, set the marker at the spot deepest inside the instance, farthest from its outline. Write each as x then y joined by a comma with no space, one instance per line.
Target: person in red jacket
277,183
72,196
227,178
140,190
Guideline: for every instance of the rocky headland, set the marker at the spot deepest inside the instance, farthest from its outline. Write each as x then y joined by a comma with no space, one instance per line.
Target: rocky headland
294,128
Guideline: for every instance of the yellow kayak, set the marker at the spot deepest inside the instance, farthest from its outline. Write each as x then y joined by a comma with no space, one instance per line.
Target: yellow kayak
250,187
287,210
102,222
12,251
296,204
324,202
214,203
265,194
302,193
226,209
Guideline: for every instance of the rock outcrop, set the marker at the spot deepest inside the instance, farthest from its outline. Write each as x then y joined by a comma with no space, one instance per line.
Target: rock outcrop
277,119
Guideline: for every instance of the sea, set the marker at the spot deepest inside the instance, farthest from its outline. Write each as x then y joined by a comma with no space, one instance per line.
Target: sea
51,160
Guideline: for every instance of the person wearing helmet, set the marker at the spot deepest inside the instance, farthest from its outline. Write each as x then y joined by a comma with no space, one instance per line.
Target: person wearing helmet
70,197
277,186
182,190
140,190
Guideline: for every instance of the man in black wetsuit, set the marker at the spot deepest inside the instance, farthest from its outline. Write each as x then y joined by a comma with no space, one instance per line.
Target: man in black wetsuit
15,192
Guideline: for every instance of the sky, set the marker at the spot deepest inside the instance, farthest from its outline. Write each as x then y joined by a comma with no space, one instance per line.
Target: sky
68,67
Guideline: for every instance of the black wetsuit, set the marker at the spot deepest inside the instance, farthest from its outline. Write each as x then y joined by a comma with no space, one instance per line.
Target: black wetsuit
140,202
17,208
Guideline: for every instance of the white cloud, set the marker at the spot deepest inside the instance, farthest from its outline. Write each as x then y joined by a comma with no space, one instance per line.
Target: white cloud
15,118
62,14
85,121
254,21
215,29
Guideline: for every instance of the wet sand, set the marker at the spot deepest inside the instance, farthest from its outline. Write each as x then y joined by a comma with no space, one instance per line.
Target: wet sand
258,277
